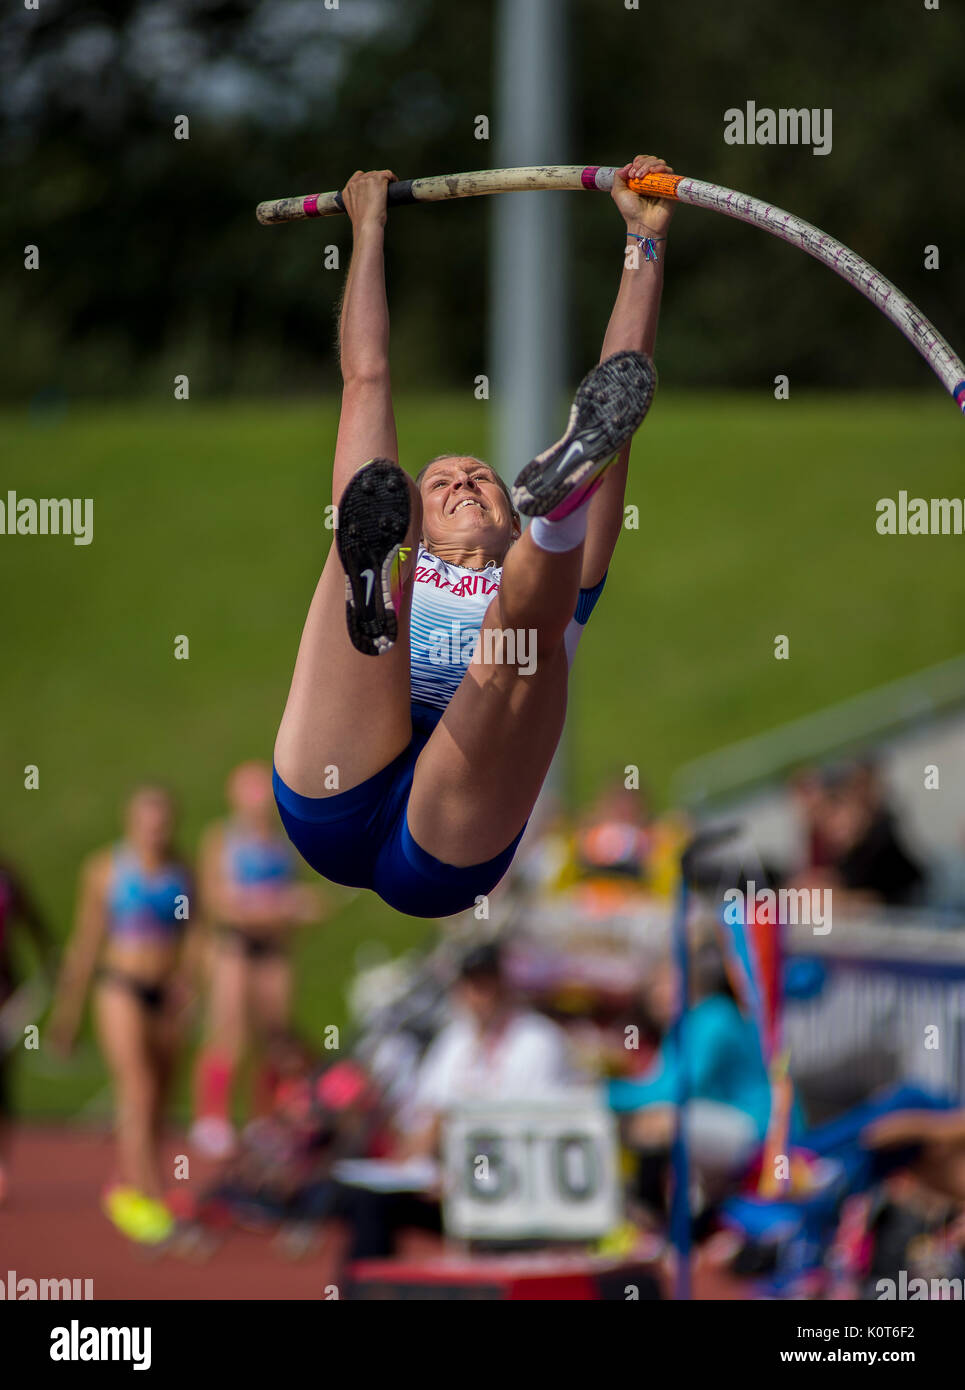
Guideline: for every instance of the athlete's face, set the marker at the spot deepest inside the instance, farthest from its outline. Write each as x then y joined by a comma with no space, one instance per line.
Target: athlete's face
464,503
249,792
150,820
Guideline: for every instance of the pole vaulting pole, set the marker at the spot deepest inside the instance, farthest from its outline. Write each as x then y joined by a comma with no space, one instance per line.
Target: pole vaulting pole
947,366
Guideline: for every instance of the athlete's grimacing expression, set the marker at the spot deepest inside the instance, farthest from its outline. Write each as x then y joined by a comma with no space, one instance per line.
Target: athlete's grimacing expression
464,503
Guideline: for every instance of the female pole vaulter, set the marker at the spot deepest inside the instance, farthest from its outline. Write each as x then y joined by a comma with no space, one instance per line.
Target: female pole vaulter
429,691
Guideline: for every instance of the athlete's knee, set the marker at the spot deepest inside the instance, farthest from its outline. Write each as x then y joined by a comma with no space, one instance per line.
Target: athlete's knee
228,1041
226,1026
136,1091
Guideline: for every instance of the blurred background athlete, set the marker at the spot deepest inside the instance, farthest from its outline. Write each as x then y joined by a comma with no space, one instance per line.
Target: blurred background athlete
17,908
132,913
249,888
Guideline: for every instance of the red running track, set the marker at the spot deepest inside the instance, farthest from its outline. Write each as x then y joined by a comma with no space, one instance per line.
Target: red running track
51,1227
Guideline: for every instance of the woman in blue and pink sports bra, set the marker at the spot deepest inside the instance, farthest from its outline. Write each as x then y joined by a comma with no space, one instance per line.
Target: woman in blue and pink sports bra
250,889
132,913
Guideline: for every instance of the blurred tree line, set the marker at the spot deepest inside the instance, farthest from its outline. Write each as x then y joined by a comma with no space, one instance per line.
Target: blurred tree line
152,264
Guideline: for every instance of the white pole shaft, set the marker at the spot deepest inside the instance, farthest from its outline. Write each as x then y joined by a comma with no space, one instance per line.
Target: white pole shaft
922,334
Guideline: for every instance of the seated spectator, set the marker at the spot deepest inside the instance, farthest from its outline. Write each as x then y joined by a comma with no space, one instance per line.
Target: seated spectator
318,1112
621,841
492,1049
729,1101
866,862
809,793
871,857
614,838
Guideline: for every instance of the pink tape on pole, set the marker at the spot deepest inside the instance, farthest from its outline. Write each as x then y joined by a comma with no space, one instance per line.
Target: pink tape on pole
588,177
310,205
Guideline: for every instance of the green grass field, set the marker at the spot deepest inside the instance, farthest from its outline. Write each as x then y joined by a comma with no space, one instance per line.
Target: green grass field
757,518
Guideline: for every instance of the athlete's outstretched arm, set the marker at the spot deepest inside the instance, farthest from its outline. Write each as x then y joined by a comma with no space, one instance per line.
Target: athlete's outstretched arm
633,324
81,954
366,426
333,681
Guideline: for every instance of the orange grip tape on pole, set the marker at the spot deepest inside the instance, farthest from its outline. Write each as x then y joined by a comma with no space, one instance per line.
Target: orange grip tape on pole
656,185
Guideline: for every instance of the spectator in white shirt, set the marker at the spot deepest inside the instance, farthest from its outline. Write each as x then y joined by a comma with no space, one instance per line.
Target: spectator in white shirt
493,1049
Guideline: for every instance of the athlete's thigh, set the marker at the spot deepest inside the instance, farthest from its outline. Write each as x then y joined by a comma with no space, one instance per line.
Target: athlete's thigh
123,1036
345,709
478,777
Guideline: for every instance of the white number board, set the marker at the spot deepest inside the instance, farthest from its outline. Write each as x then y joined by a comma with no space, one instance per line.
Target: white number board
535,1170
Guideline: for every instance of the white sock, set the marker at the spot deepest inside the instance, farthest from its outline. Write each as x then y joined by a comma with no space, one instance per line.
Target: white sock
565,534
